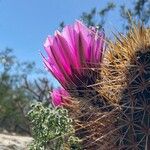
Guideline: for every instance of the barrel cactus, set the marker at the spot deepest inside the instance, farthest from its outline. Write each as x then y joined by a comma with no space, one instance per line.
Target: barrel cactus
107,97
126,78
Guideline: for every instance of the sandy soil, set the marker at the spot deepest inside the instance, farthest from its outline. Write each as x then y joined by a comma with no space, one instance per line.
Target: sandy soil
13,142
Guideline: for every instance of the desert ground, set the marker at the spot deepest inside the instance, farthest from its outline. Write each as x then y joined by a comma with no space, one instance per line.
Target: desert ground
14,142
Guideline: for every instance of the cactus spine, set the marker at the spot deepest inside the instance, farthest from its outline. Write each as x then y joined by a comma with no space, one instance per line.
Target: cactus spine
125,91
126,84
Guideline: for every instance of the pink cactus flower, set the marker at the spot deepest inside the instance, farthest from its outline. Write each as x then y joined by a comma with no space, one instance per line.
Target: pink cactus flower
59,97
72,53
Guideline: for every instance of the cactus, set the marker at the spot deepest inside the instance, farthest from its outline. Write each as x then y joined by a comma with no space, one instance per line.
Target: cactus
94,129
93,118
116,114
84,47
126,84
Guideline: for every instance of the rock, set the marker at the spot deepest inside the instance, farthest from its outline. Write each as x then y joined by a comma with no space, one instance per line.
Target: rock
12,142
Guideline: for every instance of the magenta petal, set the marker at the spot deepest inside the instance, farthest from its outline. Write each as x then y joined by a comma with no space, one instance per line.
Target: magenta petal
83,30
71,37
71,50
61,58
58,96
69,34
59,54
52,67
85,37
68,53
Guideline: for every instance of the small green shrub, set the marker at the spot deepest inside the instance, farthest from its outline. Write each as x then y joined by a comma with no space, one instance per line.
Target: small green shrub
52,129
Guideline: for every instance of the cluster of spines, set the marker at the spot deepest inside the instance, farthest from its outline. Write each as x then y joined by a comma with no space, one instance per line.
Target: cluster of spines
126,83
125,88
94,119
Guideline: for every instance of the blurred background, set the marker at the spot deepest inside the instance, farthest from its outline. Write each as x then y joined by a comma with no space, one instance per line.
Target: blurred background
24,26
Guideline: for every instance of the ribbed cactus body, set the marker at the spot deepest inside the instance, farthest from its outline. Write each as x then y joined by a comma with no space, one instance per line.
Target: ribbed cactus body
116,116
135,104
85,92
126,84
93,117
93,127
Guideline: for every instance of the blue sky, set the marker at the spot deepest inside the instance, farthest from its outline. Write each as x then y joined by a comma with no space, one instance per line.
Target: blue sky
25,24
